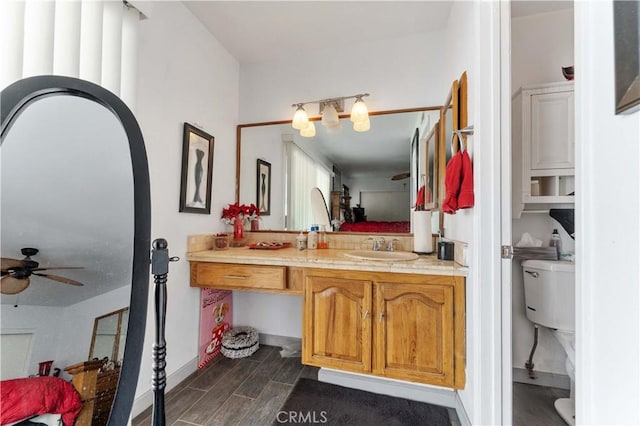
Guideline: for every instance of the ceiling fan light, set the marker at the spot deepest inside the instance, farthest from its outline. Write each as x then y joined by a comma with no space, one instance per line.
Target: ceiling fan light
362,126
330,116
359,111
309,131
300,119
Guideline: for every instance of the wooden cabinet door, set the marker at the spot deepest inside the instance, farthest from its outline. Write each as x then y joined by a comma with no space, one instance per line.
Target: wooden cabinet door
337,322
414,332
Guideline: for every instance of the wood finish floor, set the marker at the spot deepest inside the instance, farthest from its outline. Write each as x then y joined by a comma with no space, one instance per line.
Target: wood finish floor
533,405
243,392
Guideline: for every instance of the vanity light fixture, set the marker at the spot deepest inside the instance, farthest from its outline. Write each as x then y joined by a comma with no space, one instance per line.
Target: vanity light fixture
329,109
309,131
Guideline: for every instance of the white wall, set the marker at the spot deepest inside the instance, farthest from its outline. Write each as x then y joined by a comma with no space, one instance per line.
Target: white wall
463,45
80,318
398,73
545,40
608,229
184,76
44,322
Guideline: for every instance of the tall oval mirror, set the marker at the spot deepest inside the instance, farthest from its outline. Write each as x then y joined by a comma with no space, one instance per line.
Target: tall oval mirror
75,241
368,179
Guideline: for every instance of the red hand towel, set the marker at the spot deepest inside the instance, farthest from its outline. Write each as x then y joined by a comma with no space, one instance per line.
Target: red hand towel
452,179
466,197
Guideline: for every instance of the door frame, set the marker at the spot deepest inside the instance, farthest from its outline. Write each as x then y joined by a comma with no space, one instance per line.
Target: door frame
506,223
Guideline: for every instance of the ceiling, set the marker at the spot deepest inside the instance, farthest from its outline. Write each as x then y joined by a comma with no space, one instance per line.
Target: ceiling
259,31
59,197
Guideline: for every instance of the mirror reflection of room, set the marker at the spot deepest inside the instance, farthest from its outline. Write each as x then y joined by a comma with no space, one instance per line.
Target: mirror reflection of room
71,259
367,179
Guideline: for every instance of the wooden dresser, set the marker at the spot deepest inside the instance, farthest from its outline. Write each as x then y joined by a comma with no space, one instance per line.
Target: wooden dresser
97,391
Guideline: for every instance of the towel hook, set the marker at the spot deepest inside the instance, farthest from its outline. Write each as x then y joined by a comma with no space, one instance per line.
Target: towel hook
460,133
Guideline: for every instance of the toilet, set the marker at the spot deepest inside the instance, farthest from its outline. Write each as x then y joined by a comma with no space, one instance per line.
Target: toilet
549,294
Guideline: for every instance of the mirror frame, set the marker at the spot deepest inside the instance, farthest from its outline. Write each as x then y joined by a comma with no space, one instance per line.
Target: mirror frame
451,102
15,98
434,134
341,116
116,342
457,101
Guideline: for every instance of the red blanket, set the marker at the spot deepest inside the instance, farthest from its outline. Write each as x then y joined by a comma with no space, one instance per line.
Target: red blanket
373,226
24,398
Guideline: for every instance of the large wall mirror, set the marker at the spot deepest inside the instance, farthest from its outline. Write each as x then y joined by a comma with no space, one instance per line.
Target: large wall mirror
75,229
370,171
109,332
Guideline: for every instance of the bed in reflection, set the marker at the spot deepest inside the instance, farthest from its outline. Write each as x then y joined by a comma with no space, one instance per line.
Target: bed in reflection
377,227
24,399
386,207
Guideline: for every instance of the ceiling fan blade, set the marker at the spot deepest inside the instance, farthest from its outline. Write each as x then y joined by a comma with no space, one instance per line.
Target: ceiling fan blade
11,285
401,176
60,279
57,267
11,263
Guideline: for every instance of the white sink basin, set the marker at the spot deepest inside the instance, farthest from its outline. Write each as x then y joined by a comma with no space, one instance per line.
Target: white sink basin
384,256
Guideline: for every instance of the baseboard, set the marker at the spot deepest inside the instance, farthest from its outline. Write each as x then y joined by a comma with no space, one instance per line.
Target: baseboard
145,400
414,391
284,342
552,380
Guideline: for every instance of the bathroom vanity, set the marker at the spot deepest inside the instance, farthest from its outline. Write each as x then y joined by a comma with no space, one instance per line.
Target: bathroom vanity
397,319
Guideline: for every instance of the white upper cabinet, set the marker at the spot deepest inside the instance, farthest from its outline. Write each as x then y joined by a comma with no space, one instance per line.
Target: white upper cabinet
549,132
543,147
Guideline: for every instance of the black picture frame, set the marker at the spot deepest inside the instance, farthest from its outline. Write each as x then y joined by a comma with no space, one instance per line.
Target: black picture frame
626,29
263,187
415,166
197,168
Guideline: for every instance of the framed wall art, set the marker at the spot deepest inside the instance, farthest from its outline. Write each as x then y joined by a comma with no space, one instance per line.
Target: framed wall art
626,28
197,170
263,185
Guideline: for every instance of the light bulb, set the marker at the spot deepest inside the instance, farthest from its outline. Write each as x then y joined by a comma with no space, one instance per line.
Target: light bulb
359,111
309,131
330,116
300,119
362,126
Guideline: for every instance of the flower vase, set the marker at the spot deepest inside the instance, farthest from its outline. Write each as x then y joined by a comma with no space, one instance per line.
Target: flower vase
255,224
238,230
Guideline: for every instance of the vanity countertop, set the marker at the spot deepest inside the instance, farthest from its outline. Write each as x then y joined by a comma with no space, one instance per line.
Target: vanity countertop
327,258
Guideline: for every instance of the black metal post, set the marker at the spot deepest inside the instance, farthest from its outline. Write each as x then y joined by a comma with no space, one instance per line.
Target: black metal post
160,269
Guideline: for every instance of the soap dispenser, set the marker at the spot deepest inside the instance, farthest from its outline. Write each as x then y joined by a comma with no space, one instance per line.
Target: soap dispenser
556,242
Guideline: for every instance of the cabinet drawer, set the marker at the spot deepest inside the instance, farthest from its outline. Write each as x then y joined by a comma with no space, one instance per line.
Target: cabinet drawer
238,276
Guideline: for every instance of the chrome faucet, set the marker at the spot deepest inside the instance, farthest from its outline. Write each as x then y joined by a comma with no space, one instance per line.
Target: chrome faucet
380,244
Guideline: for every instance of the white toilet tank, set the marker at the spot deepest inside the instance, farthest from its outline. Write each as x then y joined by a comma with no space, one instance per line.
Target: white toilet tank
549,293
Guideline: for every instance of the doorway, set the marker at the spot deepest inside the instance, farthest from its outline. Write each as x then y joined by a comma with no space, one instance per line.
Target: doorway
538,41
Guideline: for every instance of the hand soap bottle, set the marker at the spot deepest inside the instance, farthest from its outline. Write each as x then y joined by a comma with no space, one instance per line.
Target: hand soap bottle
556,242
312,238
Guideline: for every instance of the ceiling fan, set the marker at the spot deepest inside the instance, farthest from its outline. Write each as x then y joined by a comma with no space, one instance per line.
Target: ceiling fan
400,176
15,273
